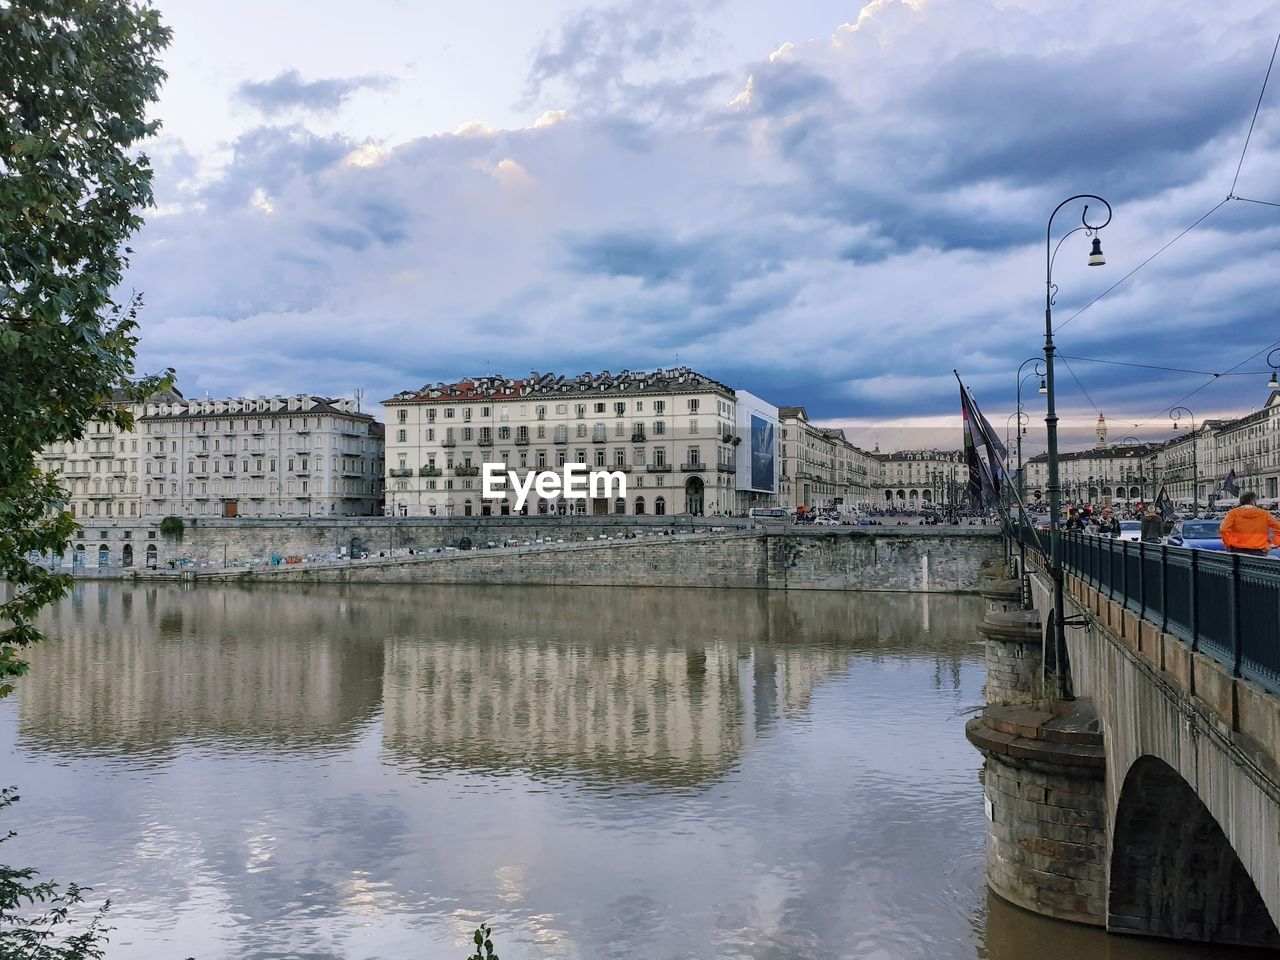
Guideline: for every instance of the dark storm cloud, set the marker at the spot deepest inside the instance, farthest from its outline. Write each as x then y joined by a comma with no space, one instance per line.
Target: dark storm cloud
864,213
288,91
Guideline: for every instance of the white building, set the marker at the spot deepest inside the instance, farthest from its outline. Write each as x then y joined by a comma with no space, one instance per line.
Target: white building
299,456
672,433
920,479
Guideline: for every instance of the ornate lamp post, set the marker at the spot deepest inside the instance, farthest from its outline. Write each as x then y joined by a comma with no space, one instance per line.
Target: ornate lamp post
1096,259
1037,370
1176,414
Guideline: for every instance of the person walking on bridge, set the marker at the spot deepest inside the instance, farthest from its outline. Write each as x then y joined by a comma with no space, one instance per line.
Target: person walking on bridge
1248,528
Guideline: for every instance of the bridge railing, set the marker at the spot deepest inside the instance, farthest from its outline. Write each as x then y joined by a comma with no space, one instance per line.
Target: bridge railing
1225,605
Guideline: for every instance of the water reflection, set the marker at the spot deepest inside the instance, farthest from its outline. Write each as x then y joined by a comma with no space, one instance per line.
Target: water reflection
254,773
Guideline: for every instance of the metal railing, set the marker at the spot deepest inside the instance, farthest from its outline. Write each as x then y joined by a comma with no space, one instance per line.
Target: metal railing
1224,605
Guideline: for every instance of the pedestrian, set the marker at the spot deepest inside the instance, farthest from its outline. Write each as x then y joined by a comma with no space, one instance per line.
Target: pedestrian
1248,528
1152,526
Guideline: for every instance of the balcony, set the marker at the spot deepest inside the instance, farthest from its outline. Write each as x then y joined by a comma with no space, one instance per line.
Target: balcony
623,467
201,453
401,472
693,468
465,471
658,468
522,441
599,439
101,454
429,472
561,440
637,436
159,454
447,442
485,442
726,468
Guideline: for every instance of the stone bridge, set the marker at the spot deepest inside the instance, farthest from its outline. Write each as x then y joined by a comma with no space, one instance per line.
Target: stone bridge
1150,802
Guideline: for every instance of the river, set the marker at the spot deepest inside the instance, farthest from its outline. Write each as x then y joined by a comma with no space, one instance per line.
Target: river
369,772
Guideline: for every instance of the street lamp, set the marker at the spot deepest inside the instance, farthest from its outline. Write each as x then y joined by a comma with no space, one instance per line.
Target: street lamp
1037,370
1096,259
1273,360
1176,414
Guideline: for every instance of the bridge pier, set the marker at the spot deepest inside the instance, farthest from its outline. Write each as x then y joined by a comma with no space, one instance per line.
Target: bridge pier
1043,772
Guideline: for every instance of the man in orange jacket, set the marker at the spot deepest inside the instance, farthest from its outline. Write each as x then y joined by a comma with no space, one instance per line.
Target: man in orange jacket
1248,528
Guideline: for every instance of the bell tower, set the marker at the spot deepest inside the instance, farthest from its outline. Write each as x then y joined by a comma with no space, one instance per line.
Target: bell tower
1102,433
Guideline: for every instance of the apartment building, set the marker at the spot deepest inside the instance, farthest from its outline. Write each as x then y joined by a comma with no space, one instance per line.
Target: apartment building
296,456
820,468
671,432
920,479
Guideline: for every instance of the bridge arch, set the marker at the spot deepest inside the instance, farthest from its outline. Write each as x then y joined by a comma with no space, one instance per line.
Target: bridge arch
1173,870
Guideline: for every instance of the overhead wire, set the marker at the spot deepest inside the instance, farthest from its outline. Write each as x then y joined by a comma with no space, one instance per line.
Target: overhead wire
1231,195
1256,107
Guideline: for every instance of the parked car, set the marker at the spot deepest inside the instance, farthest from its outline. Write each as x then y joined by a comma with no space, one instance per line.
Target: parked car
1196,534
1130,530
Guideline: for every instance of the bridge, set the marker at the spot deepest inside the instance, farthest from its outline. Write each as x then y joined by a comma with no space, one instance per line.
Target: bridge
1145,796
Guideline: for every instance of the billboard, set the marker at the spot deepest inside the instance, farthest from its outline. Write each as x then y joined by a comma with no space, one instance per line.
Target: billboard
757,425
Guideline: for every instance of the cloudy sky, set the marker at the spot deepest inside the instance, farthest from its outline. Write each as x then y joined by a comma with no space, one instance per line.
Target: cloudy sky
827,203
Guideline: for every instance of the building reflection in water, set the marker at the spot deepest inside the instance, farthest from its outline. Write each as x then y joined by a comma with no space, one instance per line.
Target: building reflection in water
616,685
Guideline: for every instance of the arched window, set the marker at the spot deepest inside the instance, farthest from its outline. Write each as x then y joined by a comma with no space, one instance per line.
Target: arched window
639,506
466,508
620,506
659,506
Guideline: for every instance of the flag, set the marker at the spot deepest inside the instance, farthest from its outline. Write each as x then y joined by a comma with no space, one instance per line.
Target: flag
984,477
974,487
1231,485
1163,505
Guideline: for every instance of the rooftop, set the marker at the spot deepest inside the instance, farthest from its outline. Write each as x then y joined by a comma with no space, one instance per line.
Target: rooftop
673,380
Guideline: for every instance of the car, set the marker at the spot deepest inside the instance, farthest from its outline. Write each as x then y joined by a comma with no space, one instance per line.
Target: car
1130,530
826,522
1196,535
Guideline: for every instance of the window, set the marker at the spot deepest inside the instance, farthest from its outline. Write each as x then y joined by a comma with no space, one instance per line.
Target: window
693,426
695,456
620,408
659,456
400,434
560,458
466,434
540,411
600,461
659,428
659,406
562,408
542,459
484,411
466,413
579,410
448,413
599,408
402,416
431,414
693,404
638,457
620,457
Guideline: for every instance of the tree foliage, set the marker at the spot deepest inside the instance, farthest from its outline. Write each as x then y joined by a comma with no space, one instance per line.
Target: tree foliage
76,79
50,933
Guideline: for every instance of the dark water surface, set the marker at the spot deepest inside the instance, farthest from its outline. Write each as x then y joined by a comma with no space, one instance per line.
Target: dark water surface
598,772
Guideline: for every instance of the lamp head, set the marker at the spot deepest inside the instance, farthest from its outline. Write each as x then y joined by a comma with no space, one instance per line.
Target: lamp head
1043,387
1273,383
1096,259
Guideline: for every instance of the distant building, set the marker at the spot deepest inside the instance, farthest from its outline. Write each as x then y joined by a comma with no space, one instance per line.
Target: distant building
299,456
918,479
267,457
673,433
821,469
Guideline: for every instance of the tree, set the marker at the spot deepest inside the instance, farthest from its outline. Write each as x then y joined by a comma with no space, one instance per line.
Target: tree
76,79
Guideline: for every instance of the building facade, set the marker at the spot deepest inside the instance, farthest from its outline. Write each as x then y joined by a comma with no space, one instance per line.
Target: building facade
919,479
672,433
299,456
820,468
266,457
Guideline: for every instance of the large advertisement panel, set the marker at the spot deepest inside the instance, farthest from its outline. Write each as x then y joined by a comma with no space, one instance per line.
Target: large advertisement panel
758,452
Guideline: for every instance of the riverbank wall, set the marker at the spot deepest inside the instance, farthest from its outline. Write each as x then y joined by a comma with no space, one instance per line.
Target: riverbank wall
915,560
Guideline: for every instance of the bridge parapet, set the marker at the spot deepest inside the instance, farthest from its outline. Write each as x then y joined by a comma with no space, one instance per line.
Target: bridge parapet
1192,784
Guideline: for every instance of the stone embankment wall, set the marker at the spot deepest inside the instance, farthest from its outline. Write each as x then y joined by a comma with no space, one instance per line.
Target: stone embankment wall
933,560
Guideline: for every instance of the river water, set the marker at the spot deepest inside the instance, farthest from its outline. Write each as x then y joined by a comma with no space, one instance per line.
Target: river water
369,772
